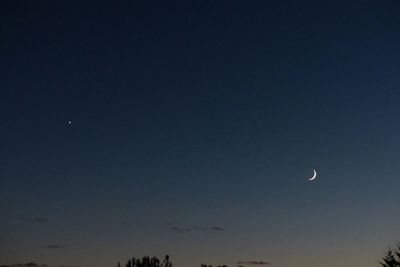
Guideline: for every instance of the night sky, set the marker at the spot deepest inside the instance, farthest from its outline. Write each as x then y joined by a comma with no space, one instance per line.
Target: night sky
191,129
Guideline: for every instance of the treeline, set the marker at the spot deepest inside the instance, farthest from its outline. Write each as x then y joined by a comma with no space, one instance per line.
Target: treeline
148,262
392,257
155,262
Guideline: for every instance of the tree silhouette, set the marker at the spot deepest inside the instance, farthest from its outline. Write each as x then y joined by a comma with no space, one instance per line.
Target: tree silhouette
154,262
146,261
138,263
166,262
392,257
397,253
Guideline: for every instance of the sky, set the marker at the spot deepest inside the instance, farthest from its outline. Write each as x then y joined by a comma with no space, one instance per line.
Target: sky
133,128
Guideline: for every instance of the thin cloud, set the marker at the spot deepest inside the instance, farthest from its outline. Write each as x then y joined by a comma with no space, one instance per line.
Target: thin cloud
35,220
55,246
180,230
196,229
253,262
29,264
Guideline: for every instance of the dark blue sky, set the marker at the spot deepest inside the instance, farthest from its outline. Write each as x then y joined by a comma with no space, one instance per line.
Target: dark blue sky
194,128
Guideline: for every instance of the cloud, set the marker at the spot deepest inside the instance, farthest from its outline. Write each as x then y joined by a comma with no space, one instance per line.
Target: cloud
29,264
55,246
253,262
196,229
35,220
180,230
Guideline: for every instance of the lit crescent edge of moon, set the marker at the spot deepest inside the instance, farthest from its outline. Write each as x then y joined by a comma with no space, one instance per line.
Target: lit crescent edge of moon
314,176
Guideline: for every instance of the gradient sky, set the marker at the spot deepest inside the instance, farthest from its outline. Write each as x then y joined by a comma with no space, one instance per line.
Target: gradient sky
194,128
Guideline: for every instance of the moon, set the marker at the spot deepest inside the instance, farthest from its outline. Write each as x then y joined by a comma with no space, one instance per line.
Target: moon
314,176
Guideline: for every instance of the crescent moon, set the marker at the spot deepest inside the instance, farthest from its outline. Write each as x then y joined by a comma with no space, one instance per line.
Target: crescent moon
314,176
